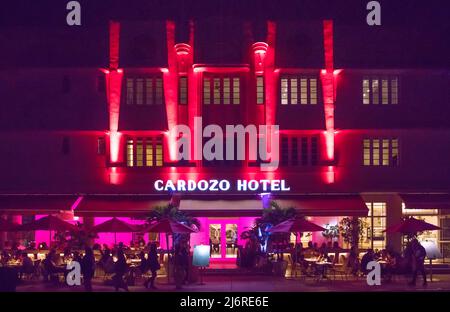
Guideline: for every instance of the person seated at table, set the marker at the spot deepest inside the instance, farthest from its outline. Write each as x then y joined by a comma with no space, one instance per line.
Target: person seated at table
76,256
27,265
323,249
368,256
49,265
310,251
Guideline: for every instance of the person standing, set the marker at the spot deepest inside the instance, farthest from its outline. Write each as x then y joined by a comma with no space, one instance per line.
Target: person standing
153,265
418,257
88,268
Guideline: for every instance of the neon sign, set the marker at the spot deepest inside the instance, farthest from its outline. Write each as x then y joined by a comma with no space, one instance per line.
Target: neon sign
213,185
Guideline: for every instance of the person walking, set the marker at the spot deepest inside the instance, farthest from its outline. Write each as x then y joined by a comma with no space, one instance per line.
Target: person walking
418,257
153,265
88,268
120,268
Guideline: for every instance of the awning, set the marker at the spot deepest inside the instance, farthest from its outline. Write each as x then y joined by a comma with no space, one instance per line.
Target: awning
119,205
326,205
426,201
209,207
35,204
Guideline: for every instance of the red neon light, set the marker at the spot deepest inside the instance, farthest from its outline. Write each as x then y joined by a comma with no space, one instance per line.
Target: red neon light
114,77
270,75
171,86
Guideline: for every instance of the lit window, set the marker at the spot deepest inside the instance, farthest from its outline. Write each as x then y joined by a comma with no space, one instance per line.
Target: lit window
377,152
259,90
366,91
159,154
139,153
374,89
183,91
284,91
216,91
375,92
148,153
224,90
374,225
384,92
130,153
236,91
294,87
206,91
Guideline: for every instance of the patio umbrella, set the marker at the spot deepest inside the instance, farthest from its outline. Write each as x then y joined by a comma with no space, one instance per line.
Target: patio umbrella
295,225
115,226
168,226
411,226
6,226
49,223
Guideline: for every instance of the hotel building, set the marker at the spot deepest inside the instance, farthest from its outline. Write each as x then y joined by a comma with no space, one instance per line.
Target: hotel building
87,137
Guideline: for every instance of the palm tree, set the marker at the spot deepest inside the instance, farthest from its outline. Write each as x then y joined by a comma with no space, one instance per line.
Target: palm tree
172,212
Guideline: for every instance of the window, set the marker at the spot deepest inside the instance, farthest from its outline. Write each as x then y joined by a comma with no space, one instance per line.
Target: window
299,90
376,91
66,84
145,152
260,90
101,83
380,152
183,91
65,147
225,90
144,91
292,155
101,146
374,224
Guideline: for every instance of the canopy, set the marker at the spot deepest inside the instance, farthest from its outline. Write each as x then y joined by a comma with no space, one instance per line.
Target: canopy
411,226
297,225
426,201
169,226
48,223
119,205
115,225
6,226
325,205
35,204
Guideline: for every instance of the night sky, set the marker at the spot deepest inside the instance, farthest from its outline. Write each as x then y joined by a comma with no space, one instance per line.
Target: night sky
422,28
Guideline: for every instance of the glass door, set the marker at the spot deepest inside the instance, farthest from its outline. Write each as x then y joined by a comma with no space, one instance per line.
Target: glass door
223,238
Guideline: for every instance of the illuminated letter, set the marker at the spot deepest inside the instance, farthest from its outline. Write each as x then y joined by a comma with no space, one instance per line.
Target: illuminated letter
158,185
216,143
182,135
241,185
74,16
240,132
374,276
224,185
269,149
374,16
74,276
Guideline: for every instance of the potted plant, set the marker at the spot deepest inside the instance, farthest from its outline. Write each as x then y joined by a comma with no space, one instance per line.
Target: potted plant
351,230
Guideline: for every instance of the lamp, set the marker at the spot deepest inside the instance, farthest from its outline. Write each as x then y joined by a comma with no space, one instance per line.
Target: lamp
201,258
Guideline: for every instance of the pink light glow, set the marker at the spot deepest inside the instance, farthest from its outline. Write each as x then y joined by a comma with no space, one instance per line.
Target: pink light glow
108,238
114,145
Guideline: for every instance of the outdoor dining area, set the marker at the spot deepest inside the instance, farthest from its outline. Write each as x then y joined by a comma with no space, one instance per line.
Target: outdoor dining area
49,263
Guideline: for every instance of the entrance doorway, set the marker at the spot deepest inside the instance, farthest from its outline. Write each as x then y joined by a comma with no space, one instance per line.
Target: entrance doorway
223,238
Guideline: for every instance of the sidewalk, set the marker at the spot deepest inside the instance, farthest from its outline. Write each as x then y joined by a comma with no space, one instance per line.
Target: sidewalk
256,283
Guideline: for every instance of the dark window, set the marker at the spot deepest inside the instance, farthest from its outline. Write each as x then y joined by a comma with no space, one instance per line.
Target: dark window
101,146
297,151
66,84
65,148
101,83
284,151
183,91
144,91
